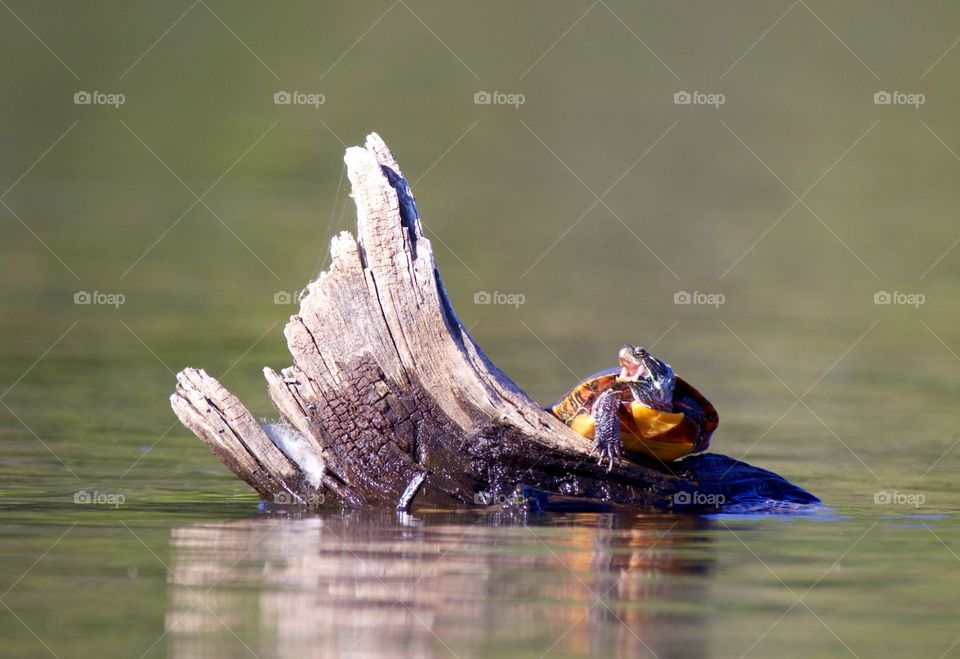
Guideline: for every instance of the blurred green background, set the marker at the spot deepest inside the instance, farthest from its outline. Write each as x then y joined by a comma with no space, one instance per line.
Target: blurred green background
599,199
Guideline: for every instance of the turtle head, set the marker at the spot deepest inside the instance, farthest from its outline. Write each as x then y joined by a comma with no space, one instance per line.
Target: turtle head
650,379
636,363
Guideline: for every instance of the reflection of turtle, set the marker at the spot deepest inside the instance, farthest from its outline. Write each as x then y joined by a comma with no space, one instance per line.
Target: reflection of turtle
642,407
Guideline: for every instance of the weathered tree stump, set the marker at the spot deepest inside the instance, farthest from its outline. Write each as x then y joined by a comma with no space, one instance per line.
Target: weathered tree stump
400,404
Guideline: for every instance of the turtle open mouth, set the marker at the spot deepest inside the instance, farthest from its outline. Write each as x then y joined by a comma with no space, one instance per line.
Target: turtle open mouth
631,369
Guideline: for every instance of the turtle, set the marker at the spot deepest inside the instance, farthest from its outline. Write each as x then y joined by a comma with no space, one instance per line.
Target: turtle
641,408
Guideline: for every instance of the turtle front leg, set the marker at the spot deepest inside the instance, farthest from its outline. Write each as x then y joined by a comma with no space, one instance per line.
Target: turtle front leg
606,434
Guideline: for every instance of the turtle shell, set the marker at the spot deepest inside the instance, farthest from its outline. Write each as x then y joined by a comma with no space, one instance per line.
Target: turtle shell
664,435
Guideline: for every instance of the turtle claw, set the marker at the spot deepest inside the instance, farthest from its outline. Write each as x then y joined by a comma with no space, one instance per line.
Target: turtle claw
609,450
606,437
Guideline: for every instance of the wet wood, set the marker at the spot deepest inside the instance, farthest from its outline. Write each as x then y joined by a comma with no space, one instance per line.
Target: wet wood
402,405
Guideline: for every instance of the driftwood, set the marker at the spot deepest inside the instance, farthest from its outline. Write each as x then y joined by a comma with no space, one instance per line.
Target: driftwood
400,404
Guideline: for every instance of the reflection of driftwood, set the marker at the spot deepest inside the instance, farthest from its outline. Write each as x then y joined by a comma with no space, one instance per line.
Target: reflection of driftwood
359,584
392,392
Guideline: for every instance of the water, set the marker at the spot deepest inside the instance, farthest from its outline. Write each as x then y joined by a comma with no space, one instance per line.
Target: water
120,535
198,583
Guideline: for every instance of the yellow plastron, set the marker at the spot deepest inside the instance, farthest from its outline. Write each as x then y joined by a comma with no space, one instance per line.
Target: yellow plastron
663,435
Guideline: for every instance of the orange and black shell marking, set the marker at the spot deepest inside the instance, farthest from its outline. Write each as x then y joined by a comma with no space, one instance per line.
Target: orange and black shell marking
665,435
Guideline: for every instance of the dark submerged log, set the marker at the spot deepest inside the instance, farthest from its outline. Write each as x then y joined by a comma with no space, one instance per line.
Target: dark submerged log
401,406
